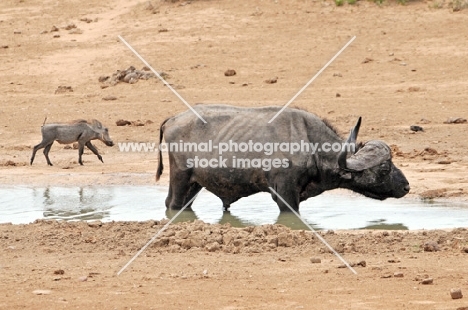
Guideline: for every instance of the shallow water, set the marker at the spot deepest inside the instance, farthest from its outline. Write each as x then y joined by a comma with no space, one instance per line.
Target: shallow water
332,210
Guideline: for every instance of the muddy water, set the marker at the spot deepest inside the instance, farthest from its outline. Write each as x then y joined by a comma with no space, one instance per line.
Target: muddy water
332,210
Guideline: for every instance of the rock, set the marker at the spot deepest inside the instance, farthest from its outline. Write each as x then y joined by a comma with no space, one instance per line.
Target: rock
103,78
456,293
431,246
76,31
455,120
83,278
70,27
416,128
398,275
64,89
59,271
95,224
109,98
230,72
54,29
427,281
315,260
272,81
122,122
414,89
149,6
367,60
465,249
42,292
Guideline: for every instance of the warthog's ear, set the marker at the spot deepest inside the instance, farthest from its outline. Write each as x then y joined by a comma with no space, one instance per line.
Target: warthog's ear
370,155
96,124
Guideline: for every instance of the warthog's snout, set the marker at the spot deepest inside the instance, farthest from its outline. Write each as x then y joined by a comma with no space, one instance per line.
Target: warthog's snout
109,143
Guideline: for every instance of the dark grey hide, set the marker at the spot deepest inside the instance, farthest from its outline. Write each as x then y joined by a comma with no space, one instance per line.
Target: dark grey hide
79,131
368,170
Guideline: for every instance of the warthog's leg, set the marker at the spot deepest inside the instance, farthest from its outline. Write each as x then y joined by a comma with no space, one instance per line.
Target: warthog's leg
94,150
80,152
46,145
46,153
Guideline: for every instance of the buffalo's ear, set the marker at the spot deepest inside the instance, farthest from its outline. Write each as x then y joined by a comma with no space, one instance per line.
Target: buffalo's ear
370,155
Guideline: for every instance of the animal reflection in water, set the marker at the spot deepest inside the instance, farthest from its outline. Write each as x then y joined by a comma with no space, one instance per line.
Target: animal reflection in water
75,203
287,219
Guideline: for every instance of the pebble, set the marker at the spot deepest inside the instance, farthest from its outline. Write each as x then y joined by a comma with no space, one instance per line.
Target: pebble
230,72
427,281
315,260
83,278
42,292
456,293
398,275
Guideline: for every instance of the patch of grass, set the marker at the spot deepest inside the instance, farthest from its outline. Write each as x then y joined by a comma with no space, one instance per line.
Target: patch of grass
351,2
339,2
458,5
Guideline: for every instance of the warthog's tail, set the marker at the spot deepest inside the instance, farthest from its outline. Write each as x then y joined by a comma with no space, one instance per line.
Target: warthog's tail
45,119
160,159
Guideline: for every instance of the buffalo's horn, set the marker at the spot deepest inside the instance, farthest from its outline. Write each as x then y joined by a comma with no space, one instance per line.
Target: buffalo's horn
371,154
351,140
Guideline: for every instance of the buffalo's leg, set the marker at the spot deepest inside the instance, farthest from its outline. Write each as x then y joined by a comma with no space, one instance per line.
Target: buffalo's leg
289,197
193,191
94,150
180,185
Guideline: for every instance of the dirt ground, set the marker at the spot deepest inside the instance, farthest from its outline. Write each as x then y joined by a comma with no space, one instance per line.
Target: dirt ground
406,67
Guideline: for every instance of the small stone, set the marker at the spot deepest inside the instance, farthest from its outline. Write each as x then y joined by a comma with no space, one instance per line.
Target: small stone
83,279
386,276
103,78
59,271
398,275
455,120
95,224
315,260
272,81
427,281
338,95
431,246
456,293
42,292
109,98
54,29
416,128
122,122
64,89
465,250
16,32
367,60
230,72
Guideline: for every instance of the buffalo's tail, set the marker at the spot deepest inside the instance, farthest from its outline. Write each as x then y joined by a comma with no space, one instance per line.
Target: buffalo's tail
160,159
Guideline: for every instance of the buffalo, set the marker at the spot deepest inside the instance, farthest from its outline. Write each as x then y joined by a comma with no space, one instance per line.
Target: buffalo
237,153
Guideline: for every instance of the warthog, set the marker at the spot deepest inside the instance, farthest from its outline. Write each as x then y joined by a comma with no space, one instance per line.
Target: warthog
80,131
366,169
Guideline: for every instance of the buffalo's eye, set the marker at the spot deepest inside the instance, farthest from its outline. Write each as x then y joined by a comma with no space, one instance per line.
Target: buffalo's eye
385,167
